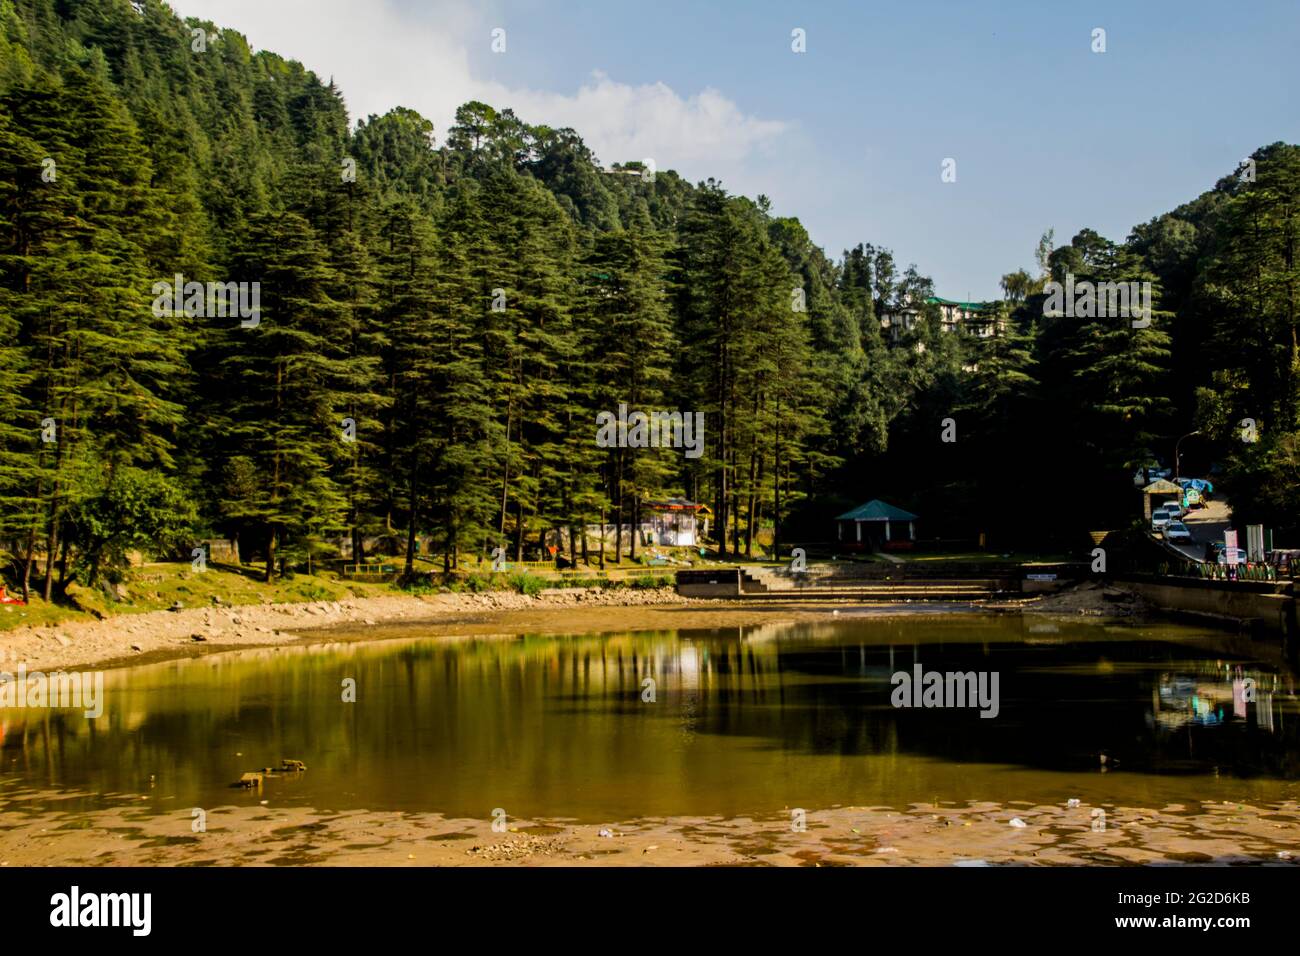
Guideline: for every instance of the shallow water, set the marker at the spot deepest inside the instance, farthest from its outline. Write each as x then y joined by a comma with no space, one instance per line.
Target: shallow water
745,721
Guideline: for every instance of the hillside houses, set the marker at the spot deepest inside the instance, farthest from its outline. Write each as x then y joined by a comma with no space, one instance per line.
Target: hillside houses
975,318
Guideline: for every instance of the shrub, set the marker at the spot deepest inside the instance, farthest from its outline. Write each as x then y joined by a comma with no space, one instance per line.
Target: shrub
526,583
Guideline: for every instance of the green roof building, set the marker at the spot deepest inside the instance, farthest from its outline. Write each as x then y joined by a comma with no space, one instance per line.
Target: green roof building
876,524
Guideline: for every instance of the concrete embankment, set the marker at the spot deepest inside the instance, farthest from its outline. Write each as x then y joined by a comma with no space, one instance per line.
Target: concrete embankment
1269,605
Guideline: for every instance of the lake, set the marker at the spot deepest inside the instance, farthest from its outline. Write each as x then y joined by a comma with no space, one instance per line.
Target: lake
744,720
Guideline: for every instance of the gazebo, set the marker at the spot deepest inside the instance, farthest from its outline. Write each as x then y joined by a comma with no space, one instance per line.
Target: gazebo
1164,489
881,520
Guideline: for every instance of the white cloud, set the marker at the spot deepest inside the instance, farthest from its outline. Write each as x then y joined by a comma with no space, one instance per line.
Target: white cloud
385,57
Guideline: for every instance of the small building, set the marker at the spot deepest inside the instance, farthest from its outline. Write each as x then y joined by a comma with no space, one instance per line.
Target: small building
875,526
975,318
1162,491
675,522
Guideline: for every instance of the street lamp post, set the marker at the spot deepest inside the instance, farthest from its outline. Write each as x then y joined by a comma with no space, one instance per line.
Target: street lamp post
1178,455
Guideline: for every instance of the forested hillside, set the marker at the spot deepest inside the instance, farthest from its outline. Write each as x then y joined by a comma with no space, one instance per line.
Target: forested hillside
443,314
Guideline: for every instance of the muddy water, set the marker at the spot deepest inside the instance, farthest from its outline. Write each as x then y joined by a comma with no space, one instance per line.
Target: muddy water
743,721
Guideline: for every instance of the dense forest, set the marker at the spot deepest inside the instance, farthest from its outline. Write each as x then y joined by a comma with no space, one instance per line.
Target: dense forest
442,315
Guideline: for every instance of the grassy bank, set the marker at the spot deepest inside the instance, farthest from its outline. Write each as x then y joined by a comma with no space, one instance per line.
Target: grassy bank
164,585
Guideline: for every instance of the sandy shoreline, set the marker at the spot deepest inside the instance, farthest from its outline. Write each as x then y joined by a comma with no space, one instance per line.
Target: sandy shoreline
152,636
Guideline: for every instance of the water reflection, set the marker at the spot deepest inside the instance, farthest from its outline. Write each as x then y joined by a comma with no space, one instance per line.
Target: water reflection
743,720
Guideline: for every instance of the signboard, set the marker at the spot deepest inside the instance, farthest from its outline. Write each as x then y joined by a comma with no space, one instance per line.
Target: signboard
1255,542
1230,546
1040,577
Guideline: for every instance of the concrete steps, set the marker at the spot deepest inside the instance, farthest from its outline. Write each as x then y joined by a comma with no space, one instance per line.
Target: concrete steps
827,585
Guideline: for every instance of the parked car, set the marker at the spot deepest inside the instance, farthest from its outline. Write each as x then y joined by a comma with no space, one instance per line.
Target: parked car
1240,554
1159,518
1145,474
1177,531
1175,508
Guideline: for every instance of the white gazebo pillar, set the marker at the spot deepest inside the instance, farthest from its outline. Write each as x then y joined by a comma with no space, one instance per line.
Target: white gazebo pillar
858,526
886,529
911,530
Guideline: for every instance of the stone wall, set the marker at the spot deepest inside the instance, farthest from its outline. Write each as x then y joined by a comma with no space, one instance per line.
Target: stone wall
1271,603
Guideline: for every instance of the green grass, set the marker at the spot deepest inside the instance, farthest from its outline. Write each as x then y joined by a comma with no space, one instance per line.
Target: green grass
157,586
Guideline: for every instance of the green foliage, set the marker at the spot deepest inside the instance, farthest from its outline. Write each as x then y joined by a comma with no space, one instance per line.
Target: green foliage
525,583
469,307
130,510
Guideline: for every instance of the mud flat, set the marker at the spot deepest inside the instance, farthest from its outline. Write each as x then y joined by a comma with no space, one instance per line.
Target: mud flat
35,832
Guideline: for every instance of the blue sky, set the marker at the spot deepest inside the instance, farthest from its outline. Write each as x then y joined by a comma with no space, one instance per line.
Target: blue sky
850,135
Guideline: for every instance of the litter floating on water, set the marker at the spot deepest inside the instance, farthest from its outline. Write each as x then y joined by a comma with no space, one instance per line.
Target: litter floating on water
1072,802
253,779
1017,822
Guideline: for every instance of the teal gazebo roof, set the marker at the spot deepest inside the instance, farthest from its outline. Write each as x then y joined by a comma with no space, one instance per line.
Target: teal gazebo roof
877,510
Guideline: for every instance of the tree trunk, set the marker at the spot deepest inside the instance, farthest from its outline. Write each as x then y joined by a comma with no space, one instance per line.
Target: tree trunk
63,565
776,494
519,530
51,546
636,525
505,481
27,561
270,555
411,519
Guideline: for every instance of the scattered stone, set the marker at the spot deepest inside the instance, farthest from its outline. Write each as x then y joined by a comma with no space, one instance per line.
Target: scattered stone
197,637
517,848
136,647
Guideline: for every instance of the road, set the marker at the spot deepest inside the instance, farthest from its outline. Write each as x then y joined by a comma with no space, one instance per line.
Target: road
1205,524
